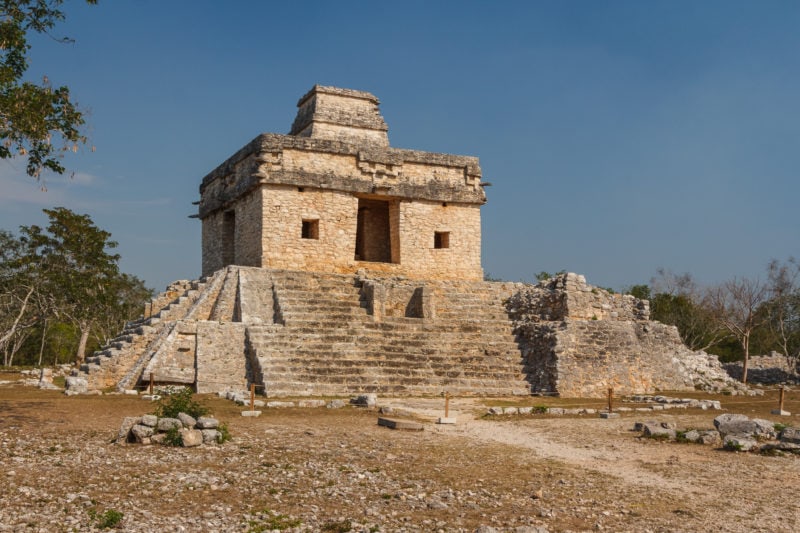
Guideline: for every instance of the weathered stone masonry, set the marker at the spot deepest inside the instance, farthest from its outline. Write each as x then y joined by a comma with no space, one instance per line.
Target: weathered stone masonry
335,264
332,196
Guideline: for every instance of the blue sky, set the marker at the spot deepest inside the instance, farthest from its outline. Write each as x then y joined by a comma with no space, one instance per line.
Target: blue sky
619,136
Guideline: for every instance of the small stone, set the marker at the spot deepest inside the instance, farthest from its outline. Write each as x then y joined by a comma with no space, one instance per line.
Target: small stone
335,404
149,420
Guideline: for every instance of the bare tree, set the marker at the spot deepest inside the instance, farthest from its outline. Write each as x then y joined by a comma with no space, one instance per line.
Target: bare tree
735,305
677,300
783,308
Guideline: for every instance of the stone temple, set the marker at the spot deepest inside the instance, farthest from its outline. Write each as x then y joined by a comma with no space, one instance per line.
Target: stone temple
335,264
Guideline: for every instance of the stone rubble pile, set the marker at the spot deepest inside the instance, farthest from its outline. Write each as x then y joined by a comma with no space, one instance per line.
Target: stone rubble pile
707,374
150,429
772,369
670,401
735,432
243,398
660,403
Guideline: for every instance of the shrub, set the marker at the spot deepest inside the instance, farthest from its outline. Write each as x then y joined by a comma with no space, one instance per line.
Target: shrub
173,437
224,434
342,526
180,402
107,520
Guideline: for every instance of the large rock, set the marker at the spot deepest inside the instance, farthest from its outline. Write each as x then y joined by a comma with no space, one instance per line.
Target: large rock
365,400
149,420
791,435
191,437
658,431
76,385
207,422
739,443
735,424
125,429
142,433
765,429
165,424
187,420
210,435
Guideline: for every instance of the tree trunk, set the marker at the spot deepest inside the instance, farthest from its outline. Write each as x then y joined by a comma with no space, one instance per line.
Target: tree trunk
746,346
10,333
41,346
81,355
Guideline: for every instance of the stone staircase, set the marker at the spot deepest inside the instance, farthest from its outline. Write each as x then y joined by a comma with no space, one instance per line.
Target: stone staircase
330,345
121,361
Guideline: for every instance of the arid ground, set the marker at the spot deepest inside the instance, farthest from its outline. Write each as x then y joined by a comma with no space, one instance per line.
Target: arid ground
336,470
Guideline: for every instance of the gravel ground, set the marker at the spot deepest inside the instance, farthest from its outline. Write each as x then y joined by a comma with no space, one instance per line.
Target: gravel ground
336,470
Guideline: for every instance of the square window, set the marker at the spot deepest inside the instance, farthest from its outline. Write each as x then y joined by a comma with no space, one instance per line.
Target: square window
441,239
310,229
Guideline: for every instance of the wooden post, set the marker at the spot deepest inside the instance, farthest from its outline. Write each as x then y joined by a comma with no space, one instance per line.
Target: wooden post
780,401
447,404
151,383
610,396
252,396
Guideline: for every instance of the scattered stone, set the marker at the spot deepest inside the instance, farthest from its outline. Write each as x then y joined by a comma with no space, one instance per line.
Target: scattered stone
365,400
311,403
335,404
658,431
251,413
280,405
393,423
130,392
780,412
446,420
149,420
734,424
791,435
76,385
609,415
739,443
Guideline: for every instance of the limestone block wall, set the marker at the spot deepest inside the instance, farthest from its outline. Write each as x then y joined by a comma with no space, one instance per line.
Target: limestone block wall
285,209
631,357
420,220
232,236
220,356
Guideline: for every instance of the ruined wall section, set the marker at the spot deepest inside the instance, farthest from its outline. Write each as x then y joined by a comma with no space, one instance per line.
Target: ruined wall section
569,296
580,340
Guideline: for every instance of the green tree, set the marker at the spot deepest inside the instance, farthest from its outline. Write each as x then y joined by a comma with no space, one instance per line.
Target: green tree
36,120
81,273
